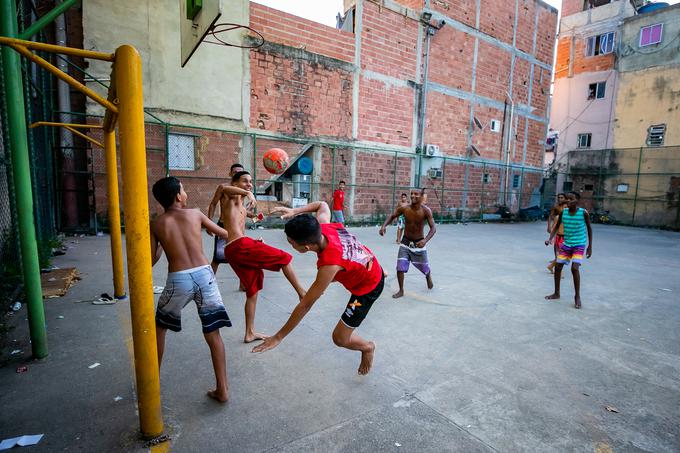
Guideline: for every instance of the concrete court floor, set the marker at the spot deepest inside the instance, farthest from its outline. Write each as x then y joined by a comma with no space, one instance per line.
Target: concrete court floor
480,363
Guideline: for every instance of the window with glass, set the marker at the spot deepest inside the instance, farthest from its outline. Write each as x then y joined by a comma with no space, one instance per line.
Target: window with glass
584,140
651,35
601,44
596,90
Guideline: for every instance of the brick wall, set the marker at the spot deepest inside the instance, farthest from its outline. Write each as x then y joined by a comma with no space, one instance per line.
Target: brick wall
581,63
570,7
277,26
292,95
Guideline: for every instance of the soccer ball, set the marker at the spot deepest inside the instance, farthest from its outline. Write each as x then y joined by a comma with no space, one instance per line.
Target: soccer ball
275,161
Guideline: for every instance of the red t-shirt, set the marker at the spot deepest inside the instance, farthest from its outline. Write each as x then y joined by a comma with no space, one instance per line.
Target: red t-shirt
360,272
338,200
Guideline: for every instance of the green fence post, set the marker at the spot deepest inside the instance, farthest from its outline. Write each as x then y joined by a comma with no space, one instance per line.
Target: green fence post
442,205
22,181
637,183
394,182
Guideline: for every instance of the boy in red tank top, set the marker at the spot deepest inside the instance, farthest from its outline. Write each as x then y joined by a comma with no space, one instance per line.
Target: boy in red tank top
341,258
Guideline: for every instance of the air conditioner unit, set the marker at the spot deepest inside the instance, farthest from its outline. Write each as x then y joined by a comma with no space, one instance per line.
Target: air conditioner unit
495,126
431,150
435,173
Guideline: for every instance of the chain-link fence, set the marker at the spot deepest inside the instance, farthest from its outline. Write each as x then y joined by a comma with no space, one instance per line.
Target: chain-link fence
457,188
631,186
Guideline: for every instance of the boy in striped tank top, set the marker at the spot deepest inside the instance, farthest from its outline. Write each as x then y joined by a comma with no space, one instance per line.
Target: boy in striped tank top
576,223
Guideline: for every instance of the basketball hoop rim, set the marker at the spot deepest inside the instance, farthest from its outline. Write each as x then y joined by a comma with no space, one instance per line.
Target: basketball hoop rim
224,27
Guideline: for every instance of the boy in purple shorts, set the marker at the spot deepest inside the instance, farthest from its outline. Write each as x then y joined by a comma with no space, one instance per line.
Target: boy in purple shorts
576,224
412,246
178,232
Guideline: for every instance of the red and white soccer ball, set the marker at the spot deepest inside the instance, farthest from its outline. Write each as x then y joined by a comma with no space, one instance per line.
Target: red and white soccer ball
275,161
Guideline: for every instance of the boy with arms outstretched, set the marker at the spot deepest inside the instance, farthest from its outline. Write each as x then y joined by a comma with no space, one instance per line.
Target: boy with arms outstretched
178,232
576,222
412,246
247,256
341,258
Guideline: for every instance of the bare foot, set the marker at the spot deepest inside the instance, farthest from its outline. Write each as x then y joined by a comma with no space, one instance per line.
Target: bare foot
367,360
222,397
398,294
430,285
577,302
553,296
249,338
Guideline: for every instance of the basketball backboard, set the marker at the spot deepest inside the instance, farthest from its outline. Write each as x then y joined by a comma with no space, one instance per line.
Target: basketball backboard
196,18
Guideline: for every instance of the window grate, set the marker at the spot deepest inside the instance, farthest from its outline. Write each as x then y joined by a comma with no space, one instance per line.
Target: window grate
181,152
655,135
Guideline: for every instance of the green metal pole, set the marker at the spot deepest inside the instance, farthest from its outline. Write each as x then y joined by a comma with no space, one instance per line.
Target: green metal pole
22,181
637,184
167,150
46,19
394,182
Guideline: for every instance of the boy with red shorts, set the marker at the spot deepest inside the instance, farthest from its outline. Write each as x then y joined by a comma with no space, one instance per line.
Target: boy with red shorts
341,258
247,256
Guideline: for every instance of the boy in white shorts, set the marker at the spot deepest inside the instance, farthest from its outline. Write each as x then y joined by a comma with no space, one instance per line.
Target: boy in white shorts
178,232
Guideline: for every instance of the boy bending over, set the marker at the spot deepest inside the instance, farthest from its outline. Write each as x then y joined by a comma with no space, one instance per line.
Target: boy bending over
341,258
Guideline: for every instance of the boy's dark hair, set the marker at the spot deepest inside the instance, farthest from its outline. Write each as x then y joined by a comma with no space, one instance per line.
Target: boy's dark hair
165,190
342,182
404,195
561,193
576,194
238,175
303,229
235,166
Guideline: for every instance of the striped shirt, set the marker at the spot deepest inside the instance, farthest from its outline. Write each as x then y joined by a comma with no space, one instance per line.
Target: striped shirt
574,227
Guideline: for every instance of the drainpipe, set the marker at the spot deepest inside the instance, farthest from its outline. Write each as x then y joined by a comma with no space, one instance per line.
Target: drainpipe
507,151
68,179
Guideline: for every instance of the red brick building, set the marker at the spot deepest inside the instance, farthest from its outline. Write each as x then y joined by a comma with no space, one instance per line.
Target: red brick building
451,95
484,70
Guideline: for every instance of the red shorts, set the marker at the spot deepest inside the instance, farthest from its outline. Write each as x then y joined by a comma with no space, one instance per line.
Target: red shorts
249,257
559,240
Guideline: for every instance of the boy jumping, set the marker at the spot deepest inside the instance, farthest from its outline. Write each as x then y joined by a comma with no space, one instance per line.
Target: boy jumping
247,256
576,223
178,232
342,258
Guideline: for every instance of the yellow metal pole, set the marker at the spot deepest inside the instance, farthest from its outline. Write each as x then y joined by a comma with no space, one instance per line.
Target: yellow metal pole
83,136
51,48
63,76
73,125
114,214
128,73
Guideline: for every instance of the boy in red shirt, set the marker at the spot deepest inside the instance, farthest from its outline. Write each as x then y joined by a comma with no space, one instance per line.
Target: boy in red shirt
341,258
339,203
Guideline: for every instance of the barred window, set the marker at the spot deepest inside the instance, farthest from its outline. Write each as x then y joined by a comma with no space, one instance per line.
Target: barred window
181,152
655,135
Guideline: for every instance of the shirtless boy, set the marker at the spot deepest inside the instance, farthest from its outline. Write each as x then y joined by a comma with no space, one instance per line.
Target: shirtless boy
218,250
178,232
412,247
342,258
247,256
